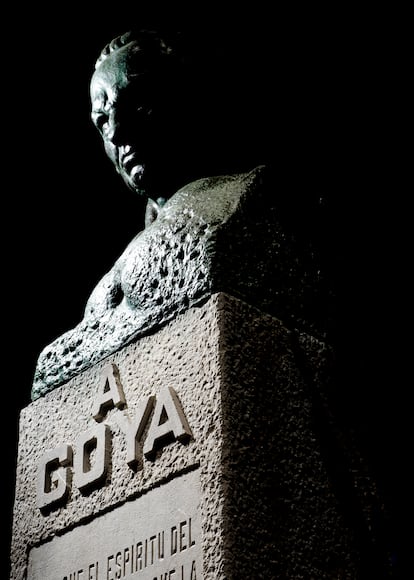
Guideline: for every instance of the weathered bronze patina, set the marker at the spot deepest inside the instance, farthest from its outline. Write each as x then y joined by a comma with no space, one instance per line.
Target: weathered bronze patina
214,234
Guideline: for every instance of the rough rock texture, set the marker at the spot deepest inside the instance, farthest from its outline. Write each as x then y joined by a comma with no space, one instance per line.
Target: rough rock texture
118,531
269,504
222,234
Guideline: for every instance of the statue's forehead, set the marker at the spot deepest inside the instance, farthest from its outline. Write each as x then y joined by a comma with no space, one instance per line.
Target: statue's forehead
117,69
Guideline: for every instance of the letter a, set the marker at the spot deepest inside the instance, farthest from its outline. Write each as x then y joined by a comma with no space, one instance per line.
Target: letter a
135,428
110,395
168,423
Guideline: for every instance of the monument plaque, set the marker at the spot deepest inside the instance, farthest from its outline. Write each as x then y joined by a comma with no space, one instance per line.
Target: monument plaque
154,536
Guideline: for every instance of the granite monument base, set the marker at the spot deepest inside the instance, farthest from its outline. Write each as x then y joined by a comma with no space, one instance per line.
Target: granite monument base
191,453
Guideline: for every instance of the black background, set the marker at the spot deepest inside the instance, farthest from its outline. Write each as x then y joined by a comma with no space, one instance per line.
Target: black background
316,95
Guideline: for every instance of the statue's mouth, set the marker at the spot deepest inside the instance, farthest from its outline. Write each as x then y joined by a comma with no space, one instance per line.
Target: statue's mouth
129,160
130,164
136,171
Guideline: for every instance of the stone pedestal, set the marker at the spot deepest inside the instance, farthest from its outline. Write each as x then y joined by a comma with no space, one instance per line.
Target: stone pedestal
191,453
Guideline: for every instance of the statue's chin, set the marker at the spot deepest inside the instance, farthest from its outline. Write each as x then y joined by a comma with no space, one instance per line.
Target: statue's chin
143,180
135,180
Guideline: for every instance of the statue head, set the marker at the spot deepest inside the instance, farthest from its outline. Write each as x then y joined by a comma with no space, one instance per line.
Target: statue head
137,113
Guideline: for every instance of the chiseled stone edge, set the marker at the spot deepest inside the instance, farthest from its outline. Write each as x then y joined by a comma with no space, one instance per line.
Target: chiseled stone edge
183,355
247,386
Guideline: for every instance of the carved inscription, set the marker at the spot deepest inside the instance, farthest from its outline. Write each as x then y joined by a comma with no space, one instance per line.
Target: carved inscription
140,557
54,477
86,463
157,536
162,546
92,573
110,393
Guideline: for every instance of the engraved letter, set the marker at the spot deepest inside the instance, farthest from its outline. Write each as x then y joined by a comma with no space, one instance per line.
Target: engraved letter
110,395
93,568
96,441
118,560
168,423
152,541
183,545
190,540
134,429
161,545
193,571
109,568
138,562
53,491
126,560
173,540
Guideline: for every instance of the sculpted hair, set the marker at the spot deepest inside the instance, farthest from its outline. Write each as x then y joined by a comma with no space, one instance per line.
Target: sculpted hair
148,42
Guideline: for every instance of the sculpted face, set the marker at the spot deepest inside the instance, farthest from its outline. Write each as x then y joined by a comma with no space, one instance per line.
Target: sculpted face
123,97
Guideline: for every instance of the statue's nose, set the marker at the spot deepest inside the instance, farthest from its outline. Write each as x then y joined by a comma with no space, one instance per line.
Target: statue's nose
120,129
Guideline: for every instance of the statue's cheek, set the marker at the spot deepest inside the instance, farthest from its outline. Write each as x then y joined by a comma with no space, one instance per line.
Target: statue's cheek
112,152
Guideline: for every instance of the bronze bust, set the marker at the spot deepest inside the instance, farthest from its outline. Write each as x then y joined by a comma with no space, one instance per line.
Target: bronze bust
214,234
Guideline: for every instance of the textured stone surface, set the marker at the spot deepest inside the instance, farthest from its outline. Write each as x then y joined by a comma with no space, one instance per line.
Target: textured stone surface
117,545
220,234
269,506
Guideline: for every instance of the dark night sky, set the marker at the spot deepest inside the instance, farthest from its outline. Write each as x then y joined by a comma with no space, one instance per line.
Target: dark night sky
317,99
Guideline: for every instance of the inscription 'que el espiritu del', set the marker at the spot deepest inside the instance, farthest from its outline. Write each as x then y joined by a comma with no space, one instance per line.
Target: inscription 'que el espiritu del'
163,547
59,468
